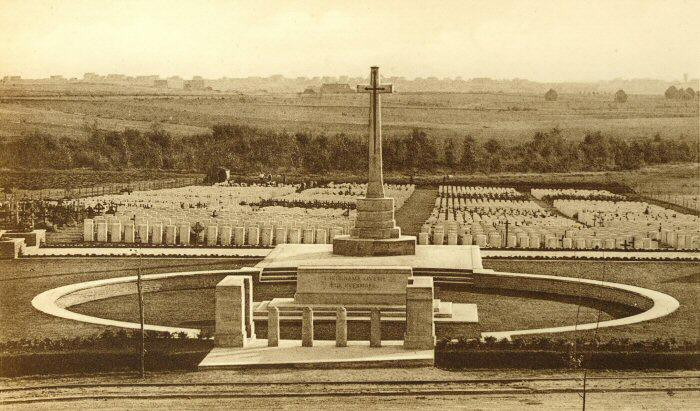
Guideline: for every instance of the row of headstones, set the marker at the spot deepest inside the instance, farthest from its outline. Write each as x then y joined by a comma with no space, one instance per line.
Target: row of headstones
225,236
494,240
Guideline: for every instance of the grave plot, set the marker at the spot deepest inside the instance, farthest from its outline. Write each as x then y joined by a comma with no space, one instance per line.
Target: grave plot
229,215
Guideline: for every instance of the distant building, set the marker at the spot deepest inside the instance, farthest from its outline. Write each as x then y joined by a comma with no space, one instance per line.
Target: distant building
116,77
551,95
194,84
91,77
57,78
336,88
12,79
160,83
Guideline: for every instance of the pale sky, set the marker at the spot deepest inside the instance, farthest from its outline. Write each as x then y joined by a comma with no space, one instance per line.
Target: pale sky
556,40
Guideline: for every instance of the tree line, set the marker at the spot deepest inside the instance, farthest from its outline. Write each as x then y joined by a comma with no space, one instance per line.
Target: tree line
248,150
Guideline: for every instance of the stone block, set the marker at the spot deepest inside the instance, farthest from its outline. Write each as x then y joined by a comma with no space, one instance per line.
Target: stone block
156,233
239,236
320,236
212,235
294,235
420,325
281,235
345,285
423,239
375,204
142,233
115,232
230,312
88,230
452,238
253,236
225,235
266,236
358,247
308,236
102,231
170,234
129,233
184,234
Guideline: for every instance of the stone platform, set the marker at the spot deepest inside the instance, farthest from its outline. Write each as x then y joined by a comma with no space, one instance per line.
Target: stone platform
461,257
324,354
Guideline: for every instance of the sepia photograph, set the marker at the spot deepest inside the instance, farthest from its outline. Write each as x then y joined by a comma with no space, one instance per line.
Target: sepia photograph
350,204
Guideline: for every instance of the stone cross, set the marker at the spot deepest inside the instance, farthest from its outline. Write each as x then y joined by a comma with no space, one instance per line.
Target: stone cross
375,182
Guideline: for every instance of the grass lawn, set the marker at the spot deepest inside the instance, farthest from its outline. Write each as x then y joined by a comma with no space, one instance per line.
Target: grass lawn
21,280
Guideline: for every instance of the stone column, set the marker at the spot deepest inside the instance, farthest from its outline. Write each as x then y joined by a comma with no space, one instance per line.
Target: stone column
230,312
420,326
341,327
307,327
273,326
88,230
375,180
375,328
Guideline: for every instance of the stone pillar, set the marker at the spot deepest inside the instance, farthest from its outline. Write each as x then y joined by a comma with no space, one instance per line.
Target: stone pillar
230,312
184,234
212,234
375,328
142,233
438,237
170,231
88,230
239,236
225,235
307,327
281,235
341,327
102,231
273,326
420,326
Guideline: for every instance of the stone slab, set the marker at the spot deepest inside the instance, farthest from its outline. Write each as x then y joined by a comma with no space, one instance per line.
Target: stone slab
345,285
361,247
324,354
465,257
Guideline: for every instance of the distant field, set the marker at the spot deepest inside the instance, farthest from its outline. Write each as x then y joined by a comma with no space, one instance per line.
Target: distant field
500,116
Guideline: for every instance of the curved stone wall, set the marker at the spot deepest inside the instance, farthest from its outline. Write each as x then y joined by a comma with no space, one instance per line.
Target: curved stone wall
653,303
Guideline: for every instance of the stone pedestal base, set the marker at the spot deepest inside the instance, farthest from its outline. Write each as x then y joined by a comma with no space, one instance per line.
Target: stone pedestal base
365,247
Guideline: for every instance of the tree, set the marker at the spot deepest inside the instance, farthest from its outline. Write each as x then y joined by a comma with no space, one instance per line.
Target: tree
469,160
691,92
551,95
450,154
671,92
620,96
